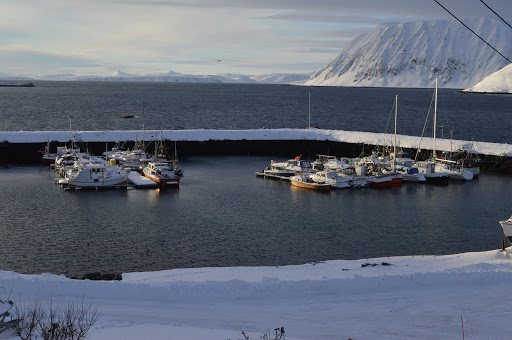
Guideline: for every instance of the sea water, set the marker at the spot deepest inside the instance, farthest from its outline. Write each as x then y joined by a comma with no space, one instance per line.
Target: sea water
222,214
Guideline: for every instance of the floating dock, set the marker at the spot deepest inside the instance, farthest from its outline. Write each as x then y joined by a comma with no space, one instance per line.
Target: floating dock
264,175
140,181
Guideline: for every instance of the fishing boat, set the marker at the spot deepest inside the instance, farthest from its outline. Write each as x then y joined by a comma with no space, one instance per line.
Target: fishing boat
94,175
428,169
279,169
507,228
305,181
161,173
335,179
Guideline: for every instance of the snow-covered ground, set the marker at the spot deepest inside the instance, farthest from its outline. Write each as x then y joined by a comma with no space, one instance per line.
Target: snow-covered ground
414,297
413,142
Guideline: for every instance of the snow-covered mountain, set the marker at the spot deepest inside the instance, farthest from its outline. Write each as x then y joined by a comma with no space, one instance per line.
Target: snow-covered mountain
413,54
497,82
171,76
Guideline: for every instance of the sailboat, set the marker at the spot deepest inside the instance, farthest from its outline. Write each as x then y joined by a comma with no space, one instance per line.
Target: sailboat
428,167
445,165
386,177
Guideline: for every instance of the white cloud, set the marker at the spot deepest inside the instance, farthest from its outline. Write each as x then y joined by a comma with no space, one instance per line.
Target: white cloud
103,35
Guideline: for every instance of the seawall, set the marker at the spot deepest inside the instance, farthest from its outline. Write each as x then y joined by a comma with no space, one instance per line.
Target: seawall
26,146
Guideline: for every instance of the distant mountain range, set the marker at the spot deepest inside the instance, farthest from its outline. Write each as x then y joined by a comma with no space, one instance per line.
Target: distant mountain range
171,76
413,54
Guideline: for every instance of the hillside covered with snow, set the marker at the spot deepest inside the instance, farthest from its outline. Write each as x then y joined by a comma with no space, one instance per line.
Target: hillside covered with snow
413,54
497,82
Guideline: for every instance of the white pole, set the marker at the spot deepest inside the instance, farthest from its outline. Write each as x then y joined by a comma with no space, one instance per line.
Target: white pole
394,148
435,121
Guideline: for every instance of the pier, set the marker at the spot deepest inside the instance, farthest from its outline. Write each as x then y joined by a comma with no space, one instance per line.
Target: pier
25,146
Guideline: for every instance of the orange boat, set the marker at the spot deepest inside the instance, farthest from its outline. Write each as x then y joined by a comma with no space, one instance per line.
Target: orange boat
304,181
161,173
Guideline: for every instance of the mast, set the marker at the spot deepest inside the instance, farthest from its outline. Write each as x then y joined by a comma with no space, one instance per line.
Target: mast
394,147
435,121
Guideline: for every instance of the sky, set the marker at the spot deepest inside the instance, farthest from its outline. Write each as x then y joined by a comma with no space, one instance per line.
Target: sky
99,37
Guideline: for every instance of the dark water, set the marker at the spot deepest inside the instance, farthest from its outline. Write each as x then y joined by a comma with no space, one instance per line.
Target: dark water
100,106
223,215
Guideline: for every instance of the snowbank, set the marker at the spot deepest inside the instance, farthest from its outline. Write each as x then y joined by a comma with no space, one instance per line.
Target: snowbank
420,297
413,142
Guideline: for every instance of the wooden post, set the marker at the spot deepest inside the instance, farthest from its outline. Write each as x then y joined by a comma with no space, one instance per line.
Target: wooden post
502,245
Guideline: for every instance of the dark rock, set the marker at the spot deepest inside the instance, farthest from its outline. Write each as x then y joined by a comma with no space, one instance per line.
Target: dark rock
105,277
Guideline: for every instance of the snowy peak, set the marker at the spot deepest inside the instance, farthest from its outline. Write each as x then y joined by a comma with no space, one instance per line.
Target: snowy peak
412,54
498,82
119,73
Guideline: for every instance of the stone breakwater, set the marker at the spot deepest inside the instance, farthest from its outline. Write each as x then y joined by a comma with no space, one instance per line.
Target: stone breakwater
26,146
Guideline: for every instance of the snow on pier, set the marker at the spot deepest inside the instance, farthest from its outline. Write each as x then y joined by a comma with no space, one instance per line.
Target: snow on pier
353,137
140,181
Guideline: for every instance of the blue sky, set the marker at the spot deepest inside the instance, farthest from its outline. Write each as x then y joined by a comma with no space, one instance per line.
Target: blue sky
98,37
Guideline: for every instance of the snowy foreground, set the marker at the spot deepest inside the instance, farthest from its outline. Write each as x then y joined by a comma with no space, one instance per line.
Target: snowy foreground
415,297
413,142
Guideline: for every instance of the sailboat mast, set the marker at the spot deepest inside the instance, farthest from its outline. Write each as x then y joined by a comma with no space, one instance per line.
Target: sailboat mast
394,146
435,121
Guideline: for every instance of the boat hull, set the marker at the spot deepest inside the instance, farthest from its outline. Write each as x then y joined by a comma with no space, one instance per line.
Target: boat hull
98,185
164,181
314,186
442,180
382,182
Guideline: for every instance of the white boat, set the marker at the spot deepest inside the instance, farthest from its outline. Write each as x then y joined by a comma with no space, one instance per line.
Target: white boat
95,175
401,157
305,181
451,169
335,179
347,172
507,228
428,169
319,163
161,173
410,173
295,165
279,169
